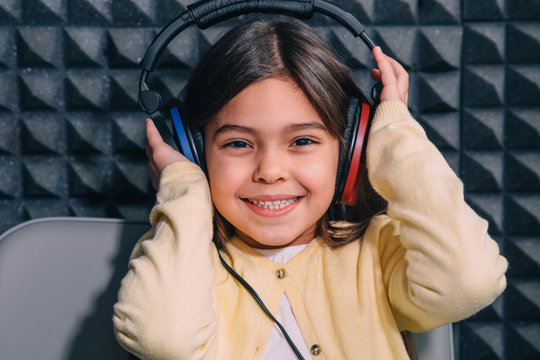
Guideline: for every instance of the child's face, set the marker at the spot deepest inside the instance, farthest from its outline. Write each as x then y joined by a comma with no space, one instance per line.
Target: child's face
269,146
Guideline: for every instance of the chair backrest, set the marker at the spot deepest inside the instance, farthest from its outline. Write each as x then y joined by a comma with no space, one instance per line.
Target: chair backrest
436,344
58,282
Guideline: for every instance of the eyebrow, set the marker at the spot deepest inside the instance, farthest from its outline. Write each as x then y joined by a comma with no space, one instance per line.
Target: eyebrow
304,126
286,129
229,127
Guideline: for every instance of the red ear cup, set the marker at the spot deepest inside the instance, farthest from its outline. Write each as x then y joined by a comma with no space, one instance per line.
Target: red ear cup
357,167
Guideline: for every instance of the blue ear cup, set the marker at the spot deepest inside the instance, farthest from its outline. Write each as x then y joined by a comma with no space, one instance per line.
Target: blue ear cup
189,138
181,135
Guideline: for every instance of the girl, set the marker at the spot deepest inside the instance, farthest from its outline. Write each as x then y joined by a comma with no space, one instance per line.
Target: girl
271,99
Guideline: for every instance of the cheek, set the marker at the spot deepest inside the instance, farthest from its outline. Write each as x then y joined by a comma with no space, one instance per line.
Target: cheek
225,179
320,175
332,164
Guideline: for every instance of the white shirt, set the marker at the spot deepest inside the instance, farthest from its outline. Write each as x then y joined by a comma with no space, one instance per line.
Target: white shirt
277,347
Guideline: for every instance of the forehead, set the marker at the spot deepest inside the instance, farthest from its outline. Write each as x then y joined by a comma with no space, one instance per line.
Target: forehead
273,103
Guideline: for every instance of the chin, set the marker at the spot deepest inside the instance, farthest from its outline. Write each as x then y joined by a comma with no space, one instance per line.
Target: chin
256,240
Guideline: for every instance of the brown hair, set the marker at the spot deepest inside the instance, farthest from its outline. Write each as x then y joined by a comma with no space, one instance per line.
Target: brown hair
283,47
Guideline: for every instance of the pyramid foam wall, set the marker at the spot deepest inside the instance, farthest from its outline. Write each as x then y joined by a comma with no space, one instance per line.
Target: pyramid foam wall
72,136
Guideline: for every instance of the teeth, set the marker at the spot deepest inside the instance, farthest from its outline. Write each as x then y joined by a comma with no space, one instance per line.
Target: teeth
273,205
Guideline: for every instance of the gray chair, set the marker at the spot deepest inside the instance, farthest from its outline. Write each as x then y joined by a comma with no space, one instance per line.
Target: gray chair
58,282
436,344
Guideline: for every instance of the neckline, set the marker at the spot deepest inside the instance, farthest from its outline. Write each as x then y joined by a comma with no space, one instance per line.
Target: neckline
235,245
282,255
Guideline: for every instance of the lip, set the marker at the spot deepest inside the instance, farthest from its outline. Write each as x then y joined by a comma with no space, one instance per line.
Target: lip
277,197
272,212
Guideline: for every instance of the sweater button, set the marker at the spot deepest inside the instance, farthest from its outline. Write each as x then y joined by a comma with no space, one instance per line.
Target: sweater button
280,273
315,350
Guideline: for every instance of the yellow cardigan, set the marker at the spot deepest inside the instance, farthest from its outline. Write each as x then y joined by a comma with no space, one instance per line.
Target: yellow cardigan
428,262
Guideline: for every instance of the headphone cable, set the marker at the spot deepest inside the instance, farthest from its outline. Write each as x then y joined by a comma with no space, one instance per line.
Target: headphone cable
261,304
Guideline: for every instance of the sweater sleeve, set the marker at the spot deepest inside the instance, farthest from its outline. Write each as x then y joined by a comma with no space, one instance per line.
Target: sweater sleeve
439,264
166,303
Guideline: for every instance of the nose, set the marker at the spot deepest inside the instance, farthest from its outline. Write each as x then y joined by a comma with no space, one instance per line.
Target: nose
271,167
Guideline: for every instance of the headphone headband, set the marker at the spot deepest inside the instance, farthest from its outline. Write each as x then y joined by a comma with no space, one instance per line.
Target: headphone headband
209,12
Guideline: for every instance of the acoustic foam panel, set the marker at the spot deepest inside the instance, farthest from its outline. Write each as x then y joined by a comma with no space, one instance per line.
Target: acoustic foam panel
72,136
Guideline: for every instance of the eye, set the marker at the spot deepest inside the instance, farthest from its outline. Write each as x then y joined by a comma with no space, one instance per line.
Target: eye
237,144
303,142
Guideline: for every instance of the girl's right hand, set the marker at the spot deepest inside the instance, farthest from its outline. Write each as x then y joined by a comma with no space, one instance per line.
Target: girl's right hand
159,153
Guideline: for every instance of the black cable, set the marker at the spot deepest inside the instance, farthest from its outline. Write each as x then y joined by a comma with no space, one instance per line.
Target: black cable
255,296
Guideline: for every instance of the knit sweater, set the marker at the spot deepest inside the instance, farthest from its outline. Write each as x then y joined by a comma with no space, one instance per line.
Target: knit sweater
428,262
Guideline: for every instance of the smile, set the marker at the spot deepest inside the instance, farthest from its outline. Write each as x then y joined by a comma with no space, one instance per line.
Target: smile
273,205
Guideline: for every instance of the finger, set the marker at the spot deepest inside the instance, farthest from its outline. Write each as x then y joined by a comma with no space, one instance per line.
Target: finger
402,77
152,134
149,151
154,182
152,174
152,168
386,70
376,75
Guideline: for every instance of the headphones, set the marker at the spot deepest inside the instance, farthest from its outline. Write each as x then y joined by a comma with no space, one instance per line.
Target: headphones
189,140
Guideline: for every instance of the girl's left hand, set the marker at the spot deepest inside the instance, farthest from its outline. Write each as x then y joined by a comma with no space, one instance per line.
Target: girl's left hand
393,77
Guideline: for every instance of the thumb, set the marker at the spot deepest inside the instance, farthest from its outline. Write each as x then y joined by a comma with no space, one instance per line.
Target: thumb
152,134
159,153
